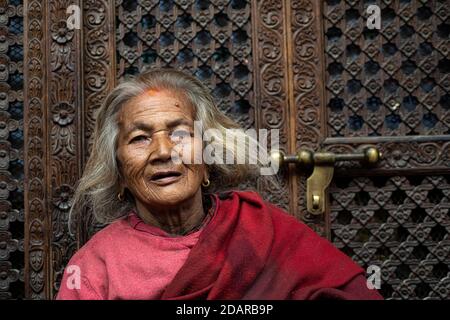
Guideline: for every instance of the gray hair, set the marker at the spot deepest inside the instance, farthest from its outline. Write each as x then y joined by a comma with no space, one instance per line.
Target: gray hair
100,183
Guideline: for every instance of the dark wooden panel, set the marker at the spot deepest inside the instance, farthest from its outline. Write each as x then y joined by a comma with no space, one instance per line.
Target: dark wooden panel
11,150
400,224
272,82
99,77
63,67
209,39
308,92
389,88
36,222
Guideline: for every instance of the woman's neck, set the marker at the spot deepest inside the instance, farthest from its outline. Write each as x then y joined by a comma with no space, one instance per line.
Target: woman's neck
174,220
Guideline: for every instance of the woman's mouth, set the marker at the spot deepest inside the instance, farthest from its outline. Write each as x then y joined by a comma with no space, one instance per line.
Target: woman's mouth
163,178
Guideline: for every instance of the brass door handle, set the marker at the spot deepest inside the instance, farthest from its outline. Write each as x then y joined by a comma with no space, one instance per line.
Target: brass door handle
323,164
307,159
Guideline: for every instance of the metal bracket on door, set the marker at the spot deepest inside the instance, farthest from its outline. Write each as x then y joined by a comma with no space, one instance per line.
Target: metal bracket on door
323,164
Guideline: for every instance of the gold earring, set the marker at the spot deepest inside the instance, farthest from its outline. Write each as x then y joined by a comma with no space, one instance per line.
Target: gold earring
120,196
206,184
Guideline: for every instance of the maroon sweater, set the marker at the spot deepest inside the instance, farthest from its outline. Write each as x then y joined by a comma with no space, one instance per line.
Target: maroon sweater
249,250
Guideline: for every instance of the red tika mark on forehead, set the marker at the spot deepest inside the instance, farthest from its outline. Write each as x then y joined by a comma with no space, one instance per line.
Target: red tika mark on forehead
152,92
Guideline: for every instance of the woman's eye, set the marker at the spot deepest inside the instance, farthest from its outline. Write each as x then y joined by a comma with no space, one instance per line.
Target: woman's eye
138,139
180,135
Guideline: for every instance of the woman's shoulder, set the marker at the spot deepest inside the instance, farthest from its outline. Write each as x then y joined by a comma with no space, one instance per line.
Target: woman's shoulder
90,263
258,200
281,217
103,241
289,229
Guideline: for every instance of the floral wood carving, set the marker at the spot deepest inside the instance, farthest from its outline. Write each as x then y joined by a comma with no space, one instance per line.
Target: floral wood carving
58,126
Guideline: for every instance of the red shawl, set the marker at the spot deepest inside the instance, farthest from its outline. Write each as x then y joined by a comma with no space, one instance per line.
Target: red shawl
254,250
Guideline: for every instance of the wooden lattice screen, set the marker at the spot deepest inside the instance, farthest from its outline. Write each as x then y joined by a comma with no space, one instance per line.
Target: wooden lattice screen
393,82
310,68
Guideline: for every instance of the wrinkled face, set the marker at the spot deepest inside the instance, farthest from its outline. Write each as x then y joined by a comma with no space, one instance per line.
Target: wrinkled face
152,126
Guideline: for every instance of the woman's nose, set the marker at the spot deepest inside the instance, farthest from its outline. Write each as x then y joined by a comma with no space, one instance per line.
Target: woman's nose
162,147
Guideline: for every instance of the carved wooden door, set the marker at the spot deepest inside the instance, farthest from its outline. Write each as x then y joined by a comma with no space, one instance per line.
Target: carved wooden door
308,68
389,88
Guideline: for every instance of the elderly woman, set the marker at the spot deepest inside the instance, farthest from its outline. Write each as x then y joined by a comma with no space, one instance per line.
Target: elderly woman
168,235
